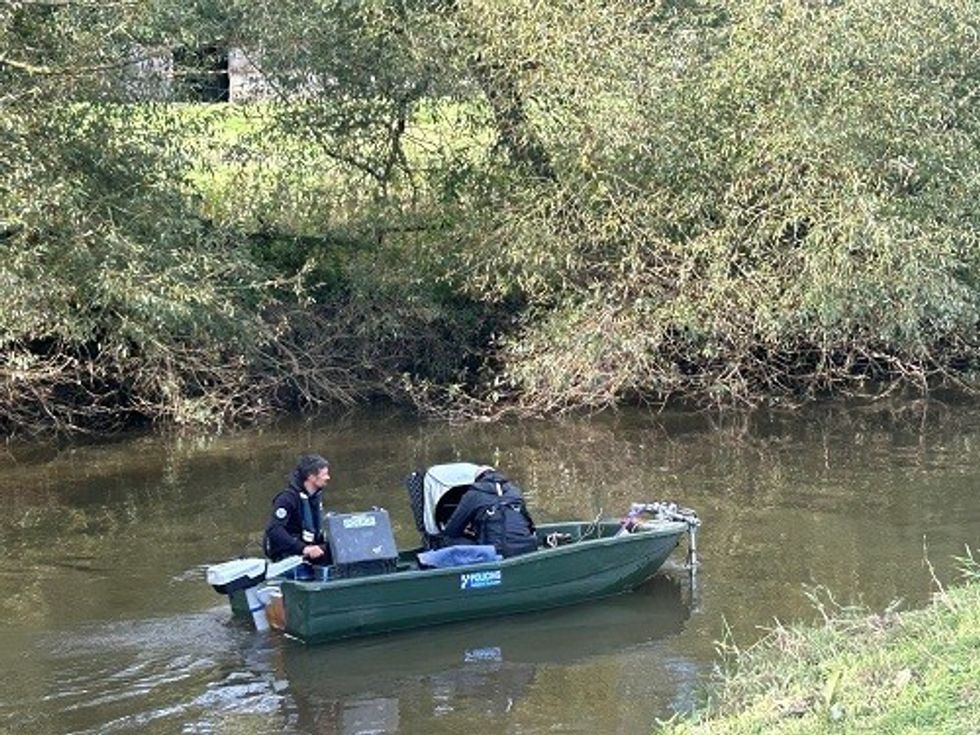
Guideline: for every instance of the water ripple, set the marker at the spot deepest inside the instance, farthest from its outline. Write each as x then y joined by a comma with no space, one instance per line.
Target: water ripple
150,675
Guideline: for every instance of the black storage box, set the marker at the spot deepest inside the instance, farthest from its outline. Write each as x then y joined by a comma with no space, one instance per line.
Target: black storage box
361,544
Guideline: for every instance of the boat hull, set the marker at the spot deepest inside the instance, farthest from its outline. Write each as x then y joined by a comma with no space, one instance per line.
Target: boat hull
587,568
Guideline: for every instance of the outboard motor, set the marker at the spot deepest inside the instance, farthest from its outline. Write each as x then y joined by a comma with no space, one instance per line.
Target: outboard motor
246,574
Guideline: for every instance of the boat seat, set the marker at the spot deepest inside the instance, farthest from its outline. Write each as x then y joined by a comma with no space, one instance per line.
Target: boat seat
447,503
415,485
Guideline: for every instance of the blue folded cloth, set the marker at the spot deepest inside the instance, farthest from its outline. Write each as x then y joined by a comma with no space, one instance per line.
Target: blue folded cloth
455,556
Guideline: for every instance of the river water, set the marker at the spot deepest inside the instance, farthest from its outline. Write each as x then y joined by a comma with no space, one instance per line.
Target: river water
109,626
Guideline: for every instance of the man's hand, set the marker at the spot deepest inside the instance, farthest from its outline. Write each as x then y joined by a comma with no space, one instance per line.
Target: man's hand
313,551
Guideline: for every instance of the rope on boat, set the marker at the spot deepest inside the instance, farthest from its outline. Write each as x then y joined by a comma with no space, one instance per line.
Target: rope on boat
592,527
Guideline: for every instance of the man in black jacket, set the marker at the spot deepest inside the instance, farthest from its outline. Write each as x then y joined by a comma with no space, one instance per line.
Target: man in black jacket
492,511
296,524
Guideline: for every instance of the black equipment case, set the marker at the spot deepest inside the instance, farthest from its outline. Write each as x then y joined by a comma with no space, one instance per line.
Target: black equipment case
361,544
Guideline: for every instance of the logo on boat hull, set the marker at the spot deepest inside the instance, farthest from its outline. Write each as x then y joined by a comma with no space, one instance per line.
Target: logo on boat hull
476,580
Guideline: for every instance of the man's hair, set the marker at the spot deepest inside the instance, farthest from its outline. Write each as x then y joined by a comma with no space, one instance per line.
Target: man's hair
309,464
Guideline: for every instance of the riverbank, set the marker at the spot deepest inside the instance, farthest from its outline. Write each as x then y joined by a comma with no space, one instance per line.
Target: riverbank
894,672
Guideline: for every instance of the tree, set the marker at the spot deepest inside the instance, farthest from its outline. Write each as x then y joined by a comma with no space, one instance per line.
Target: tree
542,206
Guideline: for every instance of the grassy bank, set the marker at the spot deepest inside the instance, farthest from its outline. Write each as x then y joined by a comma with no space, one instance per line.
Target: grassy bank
908,672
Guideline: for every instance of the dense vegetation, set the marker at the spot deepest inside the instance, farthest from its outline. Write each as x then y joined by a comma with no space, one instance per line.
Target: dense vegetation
857,672
483,205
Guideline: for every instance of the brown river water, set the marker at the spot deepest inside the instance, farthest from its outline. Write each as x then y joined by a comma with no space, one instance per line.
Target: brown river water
109,627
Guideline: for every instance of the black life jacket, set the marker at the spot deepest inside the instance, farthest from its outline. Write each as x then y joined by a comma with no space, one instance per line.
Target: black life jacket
302,526
312,531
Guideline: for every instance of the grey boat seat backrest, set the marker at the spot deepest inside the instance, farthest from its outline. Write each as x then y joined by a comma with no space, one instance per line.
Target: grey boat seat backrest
434,495
414,484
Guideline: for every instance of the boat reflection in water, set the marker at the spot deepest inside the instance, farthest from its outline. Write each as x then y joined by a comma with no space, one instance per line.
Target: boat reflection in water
204,672
506,670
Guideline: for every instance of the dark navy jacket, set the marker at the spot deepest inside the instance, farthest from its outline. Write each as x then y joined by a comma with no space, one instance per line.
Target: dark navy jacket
296,521
494,511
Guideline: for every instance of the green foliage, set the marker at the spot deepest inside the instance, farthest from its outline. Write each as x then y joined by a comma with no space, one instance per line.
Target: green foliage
890,673
539,206
117,302
969,566
109,282
779,203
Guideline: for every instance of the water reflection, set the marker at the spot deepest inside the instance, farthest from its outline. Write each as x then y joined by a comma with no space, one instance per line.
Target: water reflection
478,671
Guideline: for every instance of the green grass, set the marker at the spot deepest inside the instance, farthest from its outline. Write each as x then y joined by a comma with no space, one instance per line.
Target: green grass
908,672
265,165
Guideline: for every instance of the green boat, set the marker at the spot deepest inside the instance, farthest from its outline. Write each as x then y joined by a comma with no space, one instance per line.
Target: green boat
595,563
575,562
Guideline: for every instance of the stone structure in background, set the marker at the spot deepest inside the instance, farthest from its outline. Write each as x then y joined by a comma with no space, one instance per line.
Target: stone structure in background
150,76
246,82
207,74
